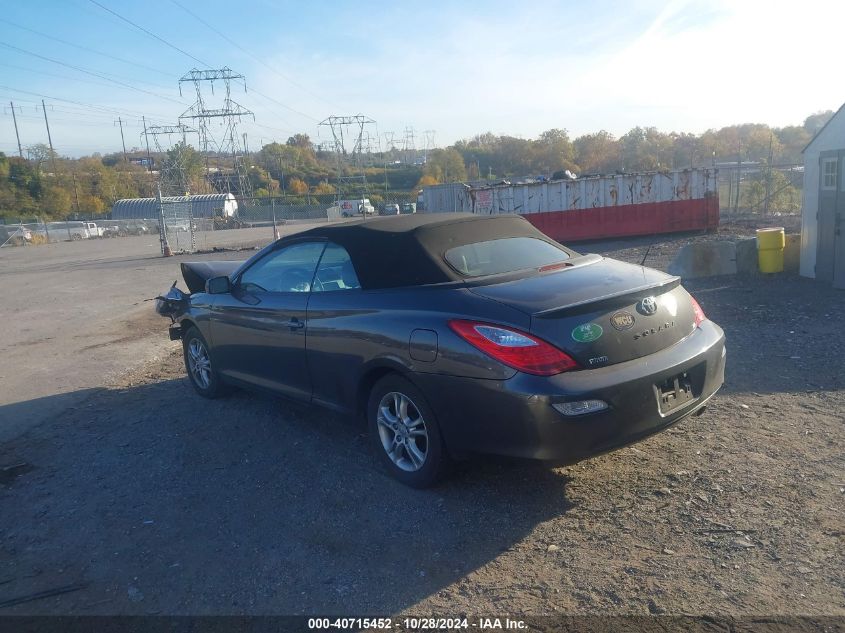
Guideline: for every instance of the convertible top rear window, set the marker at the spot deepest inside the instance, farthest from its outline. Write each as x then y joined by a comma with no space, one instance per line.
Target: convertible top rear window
503,256
407,250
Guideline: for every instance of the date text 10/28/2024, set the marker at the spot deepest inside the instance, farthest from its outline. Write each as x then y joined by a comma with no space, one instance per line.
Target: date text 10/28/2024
418,624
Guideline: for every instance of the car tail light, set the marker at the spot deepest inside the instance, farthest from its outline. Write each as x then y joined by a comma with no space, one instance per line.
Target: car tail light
514,348
699,313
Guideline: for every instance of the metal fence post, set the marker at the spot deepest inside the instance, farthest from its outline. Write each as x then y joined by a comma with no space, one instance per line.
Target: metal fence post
275,228
162,229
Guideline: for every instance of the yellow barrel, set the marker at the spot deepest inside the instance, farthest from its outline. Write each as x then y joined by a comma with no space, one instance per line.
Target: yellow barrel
770,245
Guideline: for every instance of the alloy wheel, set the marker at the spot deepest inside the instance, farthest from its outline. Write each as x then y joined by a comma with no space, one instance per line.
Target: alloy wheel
402,431
199,363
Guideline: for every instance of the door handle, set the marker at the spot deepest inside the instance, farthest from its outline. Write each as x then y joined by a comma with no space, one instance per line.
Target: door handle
295,324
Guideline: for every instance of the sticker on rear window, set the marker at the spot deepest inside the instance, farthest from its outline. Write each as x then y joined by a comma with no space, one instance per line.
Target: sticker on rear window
587,332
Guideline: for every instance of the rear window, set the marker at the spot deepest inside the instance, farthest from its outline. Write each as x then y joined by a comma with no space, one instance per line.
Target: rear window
503,255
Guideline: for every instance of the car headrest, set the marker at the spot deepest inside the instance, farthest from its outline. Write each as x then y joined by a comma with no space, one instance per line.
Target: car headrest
348,276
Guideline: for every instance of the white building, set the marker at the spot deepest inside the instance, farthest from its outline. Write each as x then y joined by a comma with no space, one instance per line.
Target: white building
201,206
823,215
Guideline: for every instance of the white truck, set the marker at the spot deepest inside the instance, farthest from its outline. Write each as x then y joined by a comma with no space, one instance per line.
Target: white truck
72,230
350,208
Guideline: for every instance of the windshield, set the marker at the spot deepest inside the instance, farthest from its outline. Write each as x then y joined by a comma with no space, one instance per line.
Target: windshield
503,255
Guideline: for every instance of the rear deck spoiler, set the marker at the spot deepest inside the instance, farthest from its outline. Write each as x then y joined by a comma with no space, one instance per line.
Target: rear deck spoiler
197,273
628,293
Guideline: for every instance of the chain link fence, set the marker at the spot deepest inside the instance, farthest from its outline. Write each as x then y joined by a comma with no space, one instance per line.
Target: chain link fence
39,232
751,190
186,226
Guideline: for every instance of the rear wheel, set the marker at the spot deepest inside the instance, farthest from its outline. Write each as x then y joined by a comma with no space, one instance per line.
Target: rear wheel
405,434
202,374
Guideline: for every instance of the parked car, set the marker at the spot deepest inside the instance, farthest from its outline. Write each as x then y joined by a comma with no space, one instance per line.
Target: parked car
16,235
94,230
408,208
390,209
70,230
453,335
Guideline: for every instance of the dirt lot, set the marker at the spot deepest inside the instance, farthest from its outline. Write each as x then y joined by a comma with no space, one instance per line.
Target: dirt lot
74,314
142,498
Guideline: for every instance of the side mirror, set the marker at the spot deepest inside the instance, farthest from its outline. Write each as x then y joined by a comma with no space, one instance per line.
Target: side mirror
218,285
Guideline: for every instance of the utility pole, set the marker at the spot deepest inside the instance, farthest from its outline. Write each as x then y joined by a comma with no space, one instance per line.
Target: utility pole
768,177
147,138
738,176
120,123
75,193
18,136
49,138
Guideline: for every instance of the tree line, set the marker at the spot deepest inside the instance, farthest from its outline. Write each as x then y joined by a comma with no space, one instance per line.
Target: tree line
48,186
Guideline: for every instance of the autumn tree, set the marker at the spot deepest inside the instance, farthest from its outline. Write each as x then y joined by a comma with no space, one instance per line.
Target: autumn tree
426,181
553,152
817,121
445,165
297,186
323,189
597,153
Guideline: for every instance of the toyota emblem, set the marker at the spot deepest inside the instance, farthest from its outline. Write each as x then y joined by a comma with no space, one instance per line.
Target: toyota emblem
648,306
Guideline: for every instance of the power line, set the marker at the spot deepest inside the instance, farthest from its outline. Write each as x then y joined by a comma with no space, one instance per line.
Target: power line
86,48
49,74
286,107
196,59
246,52
151,34
133,113
89,72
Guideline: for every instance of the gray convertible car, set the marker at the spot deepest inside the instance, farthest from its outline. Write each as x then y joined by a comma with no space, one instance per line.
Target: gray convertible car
453,334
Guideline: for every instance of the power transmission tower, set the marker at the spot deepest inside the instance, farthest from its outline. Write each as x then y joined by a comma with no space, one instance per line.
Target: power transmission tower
429,143
354,129
173,177
227,144
408,145
370,144
389,141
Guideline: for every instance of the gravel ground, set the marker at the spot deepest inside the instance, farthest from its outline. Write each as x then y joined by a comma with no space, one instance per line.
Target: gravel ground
146,499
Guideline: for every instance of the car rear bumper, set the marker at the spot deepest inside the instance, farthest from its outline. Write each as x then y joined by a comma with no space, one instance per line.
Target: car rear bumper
515,417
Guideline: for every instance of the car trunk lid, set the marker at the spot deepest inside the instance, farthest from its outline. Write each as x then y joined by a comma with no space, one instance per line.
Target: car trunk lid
600,311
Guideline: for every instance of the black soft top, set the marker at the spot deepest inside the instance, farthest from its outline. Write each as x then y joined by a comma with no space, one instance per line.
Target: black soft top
408,250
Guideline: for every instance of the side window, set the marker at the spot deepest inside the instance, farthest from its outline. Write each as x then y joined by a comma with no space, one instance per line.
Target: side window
335,271
289,269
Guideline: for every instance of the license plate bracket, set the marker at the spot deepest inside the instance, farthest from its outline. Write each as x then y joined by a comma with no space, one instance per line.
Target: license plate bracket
674,393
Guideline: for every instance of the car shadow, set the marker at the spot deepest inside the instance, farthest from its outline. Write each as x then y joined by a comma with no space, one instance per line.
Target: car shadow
150,499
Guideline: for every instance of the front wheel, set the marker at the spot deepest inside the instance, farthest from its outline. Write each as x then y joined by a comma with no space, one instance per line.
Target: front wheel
202,374
405,434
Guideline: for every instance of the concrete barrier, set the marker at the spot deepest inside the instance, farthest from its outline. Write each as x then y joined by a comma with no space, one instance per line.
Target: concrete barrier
746,256
705,259
792,254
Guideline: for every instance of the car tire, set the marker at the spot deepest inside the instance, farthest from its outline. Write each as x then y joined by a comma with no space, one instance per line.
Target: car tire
201,372
408,444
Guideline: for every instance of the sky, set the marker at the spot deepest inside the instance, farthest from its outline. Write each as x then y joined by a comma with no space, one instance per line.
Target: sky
456,68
